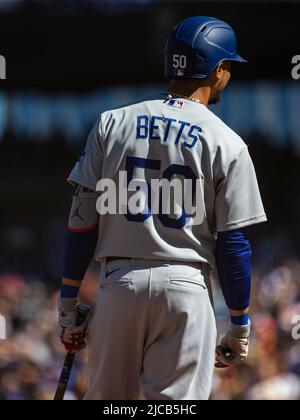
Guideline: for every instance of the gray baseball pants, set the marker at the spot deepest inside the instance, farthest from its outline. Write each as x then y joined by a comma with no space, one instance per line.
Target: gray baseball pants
153,334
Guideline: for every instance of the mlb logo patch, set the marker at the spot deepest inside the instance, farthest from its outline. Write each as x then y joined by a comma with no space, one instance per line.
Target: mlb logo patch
180,72
176,103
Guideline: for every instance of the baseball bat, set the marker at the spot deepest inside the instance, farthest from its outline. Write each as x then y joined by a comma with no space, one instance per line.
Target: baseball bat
82,313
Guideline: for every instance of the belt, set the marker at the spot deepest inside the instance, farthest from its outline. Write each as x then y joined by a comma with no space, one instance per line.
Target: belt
110,259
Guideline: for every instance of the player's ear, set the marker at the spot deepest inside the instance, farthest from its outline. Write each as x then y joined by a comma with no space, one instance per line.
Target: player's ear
218,72
216,75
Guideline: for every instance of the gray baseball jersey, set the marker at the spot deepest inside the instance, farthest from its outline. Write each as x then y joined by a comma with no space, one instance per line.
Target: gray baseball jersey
168,139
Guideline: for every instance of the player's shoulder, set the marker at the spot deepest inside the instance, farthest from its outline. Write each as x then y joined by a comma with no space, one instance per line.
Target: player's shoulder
220,134
129,109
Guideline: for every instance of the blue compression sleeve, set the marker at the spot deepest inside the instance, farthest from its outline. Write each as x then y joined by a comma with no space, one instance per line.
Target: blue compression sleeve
79,251
233,256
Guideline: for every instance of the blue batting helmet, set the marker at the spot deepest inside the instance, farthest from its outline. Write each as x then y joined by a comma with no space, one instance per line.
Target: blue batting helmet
197,45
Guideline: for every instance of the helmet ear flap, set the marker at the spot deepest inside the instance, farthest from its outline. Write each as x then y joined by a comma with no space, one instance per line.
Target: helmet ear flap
201,58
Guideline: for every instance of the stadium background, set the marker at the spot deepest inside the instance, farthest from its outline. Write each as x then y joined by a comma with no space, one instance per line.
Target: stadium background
66,62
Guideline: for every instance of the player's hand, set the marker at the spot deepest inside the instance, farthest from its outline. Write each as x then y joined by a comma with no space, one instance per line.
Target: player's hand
234,347
72,336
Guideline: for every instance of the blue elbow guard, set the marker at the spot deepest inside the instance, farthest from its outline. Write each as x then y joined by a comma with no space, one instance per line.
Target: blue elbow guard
233,256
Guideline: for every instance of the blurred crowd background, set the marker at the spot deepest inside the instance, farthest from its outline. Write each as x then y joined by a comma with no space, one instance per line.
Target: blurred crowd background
67,61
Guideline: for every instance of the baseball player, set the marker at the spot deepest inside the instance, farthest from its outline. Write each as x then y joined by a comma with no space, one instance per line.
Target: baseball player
153,333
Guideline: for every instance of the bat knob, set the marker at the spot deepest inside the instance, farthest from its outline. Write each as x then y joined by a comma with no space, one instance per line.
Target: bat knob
82,313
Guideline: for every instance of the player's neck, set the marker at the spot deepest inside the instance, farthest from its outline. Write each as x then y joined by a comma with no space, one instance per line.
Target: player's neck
190,89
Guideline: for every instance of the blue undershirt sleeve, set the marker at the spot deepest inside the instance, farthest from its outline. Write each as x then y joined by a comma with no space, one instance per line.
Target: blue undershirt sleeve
233,256
79,251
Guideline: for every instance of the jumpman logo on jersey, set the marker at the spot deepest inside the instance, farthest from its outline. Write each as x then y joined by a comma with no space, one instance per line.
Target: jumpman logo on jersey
76,213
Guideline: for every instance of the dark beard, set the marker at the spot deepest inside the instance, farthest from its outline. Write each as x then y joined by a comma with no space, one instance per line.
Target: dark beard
215,99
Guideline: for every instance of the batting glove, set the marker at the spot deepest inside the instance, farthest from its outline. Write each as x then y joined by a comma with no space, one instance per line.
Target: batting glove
234,347
71,335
